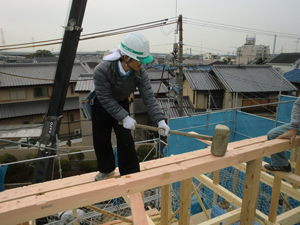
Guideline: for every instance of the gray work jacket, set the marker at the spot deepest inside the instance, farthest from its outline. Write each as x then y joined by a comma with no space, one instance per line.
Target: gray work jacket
110,89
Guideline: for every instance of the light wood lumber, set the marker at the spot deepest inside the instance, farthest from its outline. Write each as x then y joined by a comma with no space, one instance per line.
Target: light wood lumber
297,170
233,199
274,199
268,180
251,191
185,201
290,217
127,200
227,218
165,199
137,209
110,214
48,203
200,201
37,189
216,177
284,175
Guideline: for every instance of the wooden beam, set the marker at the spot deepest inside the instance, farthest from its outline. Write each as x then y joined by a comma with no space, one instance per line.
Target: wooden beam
233,199
227,218
268,179
110,214
165,204
290,217
177,168
274,199
185,201
251,191
137,209
297,170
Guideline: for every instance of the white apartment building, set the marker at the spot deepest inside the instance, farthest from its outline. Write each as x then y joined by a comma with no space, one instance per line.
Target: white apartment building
249,52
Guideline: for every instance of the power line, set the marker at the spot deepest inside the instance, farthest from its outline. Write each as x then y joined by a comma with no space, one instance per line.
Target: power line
117,31
237,28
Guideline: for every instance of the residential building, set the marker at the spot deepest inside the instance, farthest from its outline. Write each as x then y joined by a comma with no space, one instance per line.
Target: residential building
249,51
285,62
235,86
26,90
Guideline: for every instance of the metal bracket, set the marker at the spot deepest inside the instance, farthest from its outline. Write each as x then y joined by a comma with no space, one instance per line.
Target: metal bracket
72,26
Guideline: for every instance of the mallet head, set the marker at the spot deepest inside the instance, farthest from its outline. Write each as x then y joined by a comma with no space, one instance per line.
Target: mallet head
220,140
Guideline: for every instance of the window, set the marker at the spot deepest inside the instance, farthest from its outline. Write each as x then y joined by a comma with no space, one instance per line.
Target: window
17,93
72,118
40,92
72,89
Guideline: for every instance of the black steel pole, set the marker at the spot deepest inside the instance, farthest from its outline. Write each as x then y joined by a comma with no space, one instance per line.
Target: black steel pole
44,168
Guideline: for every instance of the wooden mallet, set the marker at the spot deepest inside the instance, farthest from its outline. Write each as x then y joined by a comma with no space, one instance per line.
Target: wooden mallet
219,141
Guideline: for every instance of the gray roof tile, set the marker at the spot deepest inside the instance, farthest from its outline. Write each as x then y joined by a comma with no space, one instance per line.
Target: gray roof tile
202,80
252,79
11,110
14,74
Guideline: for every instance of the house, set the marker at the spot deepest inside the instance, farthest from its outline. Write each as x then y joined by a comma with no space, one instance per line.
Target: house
45,59
285,62
25,92
235,86
293,76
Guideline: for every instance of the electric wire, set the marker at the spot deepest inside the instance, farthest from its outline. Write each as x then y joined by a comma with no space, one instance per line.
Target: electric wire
237,28
108,33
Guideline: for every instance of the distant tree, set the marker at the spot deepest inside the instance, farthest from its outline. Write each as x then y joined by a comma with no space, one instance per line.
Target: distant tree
76,158
40,53
227,60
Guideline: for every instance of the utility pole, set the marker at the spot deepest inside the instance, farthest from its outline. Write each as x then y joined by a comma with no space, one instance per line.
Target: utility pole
180,75
52,120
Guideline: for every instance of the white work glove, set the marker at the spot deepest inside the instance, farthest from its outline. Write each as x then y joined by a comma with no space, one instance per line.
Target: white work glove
164,131
129,123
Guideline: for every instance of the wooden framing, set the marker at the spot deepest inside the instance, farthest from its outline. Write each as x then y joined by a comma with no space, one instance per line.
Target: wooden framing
48,198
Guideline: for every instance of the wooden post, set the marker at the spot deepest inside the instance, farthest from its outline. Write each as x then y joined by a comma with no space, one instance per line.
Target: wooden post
216,177
297,169
137,208
165,199
251,189
274,199
185,201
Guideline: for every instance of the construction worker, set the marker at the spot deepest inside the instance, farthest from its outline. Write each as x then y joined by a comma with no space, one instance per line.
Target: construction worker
280,161
115,79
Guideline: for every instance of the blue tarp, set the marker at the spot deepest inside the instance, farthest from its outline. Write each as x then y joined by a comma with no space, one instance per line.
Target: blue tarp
243,124
3,170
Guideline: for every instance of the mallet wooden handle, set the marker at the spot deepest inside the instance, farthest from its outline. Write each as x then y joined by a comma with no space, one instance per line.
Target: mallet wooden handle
198,136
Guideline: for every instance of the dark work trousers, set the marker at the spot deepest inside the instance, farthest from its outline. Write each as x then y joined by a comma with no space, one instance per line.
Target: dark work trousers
103,123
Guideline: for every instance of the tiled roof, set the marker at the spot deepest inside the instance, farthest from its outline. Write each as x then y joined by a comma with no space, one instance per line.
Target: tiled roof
202,80
87,84
157,75
171,111
286,58
46,59
15,74
293,75
252,79
11,110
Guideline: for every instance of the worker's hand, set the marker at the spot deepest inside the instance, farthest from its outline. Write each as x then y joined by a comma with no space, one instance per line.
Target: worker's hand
129,123
164,131
291,134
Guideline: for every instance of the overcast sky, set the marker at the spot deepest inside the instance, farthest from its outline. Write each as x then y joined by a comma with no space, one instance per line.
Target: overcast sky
23,21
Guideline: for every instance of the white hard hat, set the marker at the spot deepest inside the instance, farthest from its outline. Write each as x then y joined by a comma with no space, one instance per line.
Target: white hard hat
136,46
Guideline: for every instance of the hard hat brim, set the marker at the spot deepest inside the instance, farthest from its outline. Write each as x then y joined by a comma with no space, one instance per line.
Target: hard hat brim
145,60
